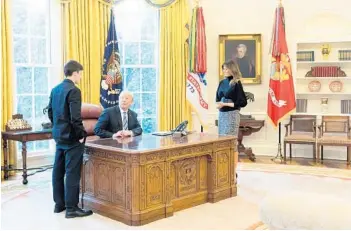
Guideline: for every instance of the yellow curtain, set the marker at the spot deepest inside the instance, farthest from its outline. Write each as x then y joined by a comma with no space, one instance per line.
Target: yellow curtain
6,77
84,30
173,106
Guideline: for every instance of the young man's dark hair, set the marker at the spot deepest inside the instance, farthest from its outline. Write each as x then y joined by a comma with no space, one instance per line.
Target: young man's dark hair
64,112
72,66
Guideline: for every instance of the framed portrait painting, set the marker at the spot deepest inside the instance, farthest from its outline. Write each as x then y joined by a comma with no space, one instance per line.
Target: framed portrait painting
245,49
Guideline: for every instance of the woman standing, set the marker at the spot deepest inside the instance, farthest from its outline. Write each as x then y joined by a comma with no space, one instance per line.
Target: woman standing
230,99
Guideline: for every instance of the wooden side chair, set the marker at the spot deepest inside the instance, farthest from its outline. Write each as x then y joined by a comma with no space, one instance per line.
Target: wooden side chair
302,131
334,131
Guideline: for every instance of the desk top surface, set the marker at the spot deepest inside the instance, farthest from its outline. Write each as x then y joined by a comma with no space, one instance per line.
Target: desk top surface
26,132
149,142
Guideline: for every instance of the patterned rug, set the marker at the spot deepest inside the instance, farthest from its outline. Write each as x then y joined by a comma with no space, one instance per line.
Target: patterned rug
307,171
14,188
255,181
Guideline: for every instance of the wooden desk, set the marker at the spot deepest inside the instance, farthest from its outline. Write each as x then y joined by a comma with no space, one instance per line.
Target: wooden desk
24,137
147,177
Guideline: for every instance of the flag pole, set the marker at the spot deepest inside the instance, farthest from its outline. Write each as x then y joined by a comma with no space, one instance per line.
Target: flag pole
197,6
279,153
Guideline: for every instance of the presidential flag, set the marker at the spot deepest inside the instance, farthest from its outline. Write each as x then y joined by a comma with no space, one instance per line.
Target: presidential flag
281,93
111,78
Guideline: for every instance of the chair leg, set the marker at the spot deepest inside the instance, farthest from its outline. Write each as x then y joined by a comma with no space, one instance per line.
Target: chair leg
348,155
290,151
322,157
318,153
284,152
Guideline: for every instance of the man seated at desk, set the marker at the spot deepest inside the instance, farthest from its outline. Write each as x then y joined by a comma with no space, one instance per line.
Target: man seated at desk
119,121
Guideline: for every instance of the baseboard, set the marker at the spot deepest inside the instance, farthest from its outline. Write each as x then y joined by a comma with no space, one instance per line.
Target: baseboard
37,160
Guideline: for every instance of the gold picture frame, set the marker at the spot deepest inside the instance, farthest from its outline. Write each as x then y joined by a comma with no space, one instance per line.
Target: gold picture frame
246,49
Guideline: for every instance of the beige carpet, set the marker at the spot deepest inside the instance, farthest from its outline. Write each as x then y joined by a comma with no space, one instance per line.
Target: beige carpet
258,226
30,207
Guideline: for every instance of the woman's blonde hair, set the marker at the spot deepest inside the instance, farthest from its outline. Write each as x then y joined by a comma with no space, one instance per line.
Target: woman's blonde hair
234,68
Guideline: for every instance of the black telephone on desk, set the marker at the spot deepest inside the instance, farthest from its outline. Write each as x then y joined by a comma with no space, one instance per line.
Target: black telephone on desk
180,128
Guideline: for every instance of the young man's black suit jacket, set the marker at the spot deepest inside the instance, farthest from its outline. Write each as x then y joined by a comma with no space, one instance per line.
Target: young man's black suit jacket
65,113
110,122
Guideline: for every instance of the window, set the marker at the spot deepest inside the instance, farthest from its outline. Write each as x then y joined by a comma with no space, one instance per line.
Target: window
33,65
137,32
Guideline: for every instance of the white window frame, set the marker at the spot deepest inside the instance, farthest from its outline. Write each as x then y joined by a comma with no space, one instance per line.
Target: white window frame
141,66
54,66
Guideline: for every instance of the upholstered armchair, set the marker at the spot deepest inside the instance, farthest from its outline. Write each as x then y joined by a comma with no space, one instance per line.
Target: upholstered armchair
300,130
90,115
334,131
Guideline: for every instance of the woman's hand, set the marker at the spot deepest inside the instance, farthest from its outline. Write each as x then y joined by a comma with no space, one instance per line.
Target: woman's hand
219,105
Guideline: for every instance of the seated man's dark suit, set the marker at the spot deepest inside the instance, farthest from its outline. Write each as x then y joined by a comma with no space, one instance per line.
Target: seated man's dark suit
110,122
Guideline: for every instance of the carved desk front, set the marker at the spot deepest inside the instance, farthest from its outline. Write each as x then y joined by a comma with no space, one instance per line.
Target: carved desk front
145,178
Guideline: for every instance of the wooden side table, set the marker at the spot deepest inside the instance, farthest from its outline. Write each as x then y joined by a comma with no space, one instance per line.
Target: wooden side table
247,127
23,137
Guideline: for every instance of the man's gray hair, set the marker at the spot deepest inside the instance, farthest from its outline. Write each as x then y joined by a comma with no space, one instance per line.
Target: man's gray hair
242,46
125,92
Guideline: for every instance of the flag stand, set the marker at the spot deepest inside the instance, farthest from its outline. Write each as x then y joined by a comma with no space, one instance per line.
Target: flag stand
277,85
279,153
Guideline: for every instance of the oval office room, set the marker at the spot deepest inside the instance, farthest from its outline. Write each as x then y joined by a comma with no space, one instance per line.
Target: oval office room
175,114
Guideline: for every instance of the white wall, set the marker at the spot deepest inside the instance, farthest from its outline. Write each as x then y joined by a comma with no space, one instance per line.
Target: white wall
312,20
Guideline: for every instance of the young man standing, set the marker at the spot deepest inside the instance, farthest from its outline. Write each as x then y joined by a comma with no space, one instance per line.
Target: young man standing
69,134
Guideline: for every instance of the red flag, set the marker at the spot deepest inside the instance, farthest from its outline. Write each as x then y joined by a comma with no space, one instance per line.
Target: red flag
281,93
201,52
